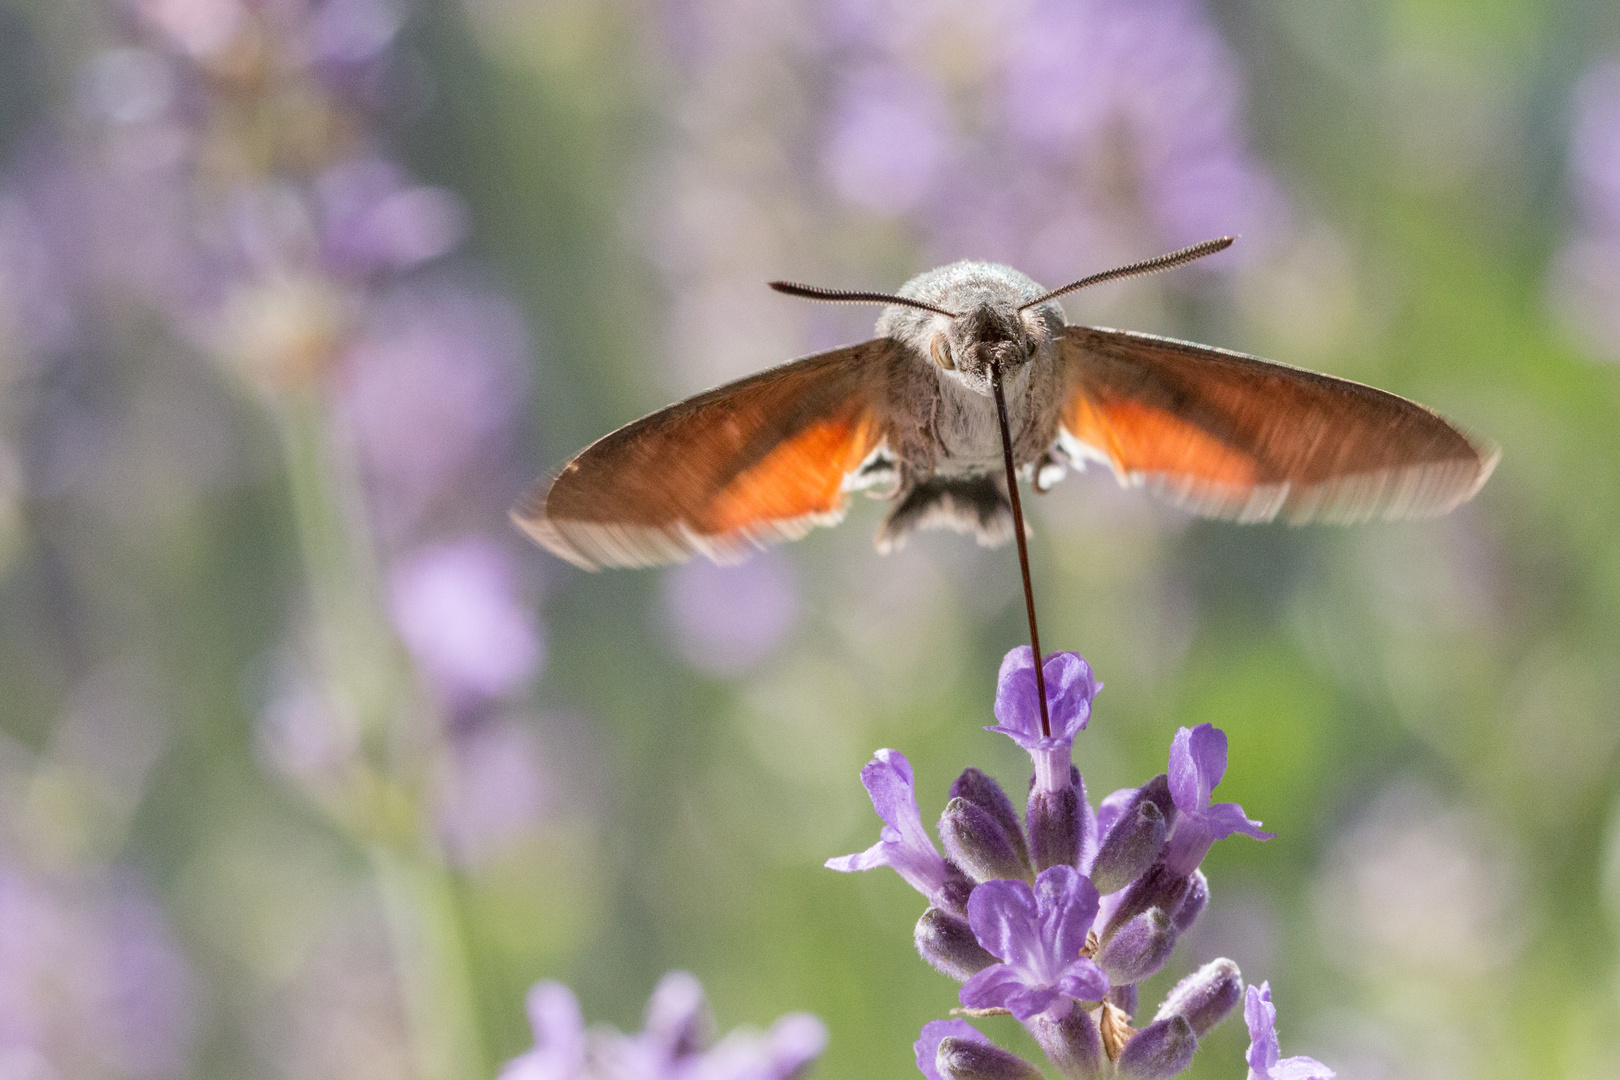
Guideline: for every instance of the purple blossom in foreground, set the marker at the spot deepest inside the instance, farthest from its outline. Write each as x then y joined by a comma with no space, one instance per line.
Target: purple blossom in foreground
903,843
1261,1017
1070,686
676,1041
1197,763
1039,935
559,1037
1014,913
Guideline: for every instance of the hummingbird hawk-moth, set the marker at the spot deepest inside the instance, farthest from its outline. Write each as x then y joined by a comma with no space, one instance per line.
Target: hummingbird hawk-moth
911,416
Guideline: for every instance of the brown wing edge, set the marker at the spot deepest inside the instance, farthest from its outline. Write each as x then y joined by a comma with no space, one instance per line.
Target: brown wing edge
594,545
1422,489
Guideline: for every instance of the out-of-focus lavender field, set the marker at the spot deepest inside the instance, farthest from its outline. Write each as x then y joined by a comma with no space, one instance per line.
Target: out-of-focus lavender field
310,765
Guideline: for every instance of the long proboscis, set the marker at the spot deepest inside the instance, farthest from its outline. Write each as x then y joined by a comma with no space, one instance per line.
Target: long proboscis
1146,266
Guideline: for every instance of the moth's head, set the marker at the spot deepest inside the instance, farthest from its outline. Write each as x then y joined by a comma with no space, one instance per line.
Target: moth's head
970,318
985,336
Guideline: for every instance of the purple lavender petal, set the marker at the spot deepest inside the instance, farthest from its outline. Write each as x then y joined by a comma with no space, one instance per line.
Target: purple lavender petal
1190,783
904,845
992,988
559,1037
793,1042
726,619
1070,686
455,609
677,1020
1004,916
1224,819
933,1033
1038,934
1261,1017
1067,903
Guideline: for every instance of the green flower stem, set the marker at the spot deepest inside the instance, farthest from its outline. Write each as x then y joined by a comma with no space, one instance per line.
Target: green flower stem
379,803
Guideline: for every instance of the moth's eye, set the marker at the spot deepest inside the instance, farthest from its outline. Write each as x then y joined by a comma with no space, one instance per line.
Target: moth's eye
941,352
1033,345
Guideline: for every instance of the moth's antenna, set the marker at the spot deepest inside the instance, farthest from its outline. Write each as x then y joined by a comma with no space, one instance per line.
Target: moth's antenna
1023,549
839,296
1148,266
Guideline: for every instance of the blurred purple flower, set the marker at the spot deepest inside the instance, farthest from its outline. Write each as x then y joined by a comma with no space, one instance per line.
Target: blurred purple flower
374,217
1038,934
1070,686
1261,1017
1584,281
889,140
434,386
559,1037
492,790
456,608
904,844
676,1041
726,619
933,1033
92,982
1197,763
1146,91
201,28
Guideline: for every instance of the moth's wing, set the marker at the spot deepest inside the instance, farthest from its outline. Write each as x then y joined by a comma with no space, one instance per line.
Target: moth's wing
757,461
1231,436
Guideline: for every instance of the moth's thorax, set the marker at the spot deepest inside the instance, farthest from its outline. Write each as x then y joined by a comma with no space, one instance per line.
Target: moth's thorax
988,328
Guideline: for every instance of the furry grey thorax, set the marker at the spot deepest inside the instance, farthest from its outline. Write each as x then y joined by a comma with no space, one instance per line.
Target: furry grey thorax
948,449
952,398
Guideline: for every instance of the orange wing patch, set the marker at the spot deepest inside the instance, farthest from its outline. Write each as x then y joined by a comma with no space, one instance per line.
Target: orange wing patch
1232,436
801,477
759,461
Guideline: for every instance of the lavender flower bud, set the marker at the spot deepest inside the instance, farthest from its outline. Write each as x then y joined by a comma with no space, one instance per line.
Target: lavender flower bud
1123,998
1158,888
1072,1044
1130,847
1205,996
1195,903
976,842
1159,1051
1139,948
982,791
952,895
1157,792
963,1059
1056,828
947,943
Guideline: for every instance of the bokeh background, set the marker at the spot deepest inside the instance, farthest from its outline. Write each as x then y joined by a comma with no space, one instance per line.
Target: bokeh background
309,765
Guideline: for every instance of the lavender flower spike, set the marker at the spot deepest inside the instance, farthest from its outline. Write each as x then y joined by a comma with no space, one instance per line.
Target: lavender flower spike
1038,935
1197,763
1070,686
903,843
1261,1016
559,1037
